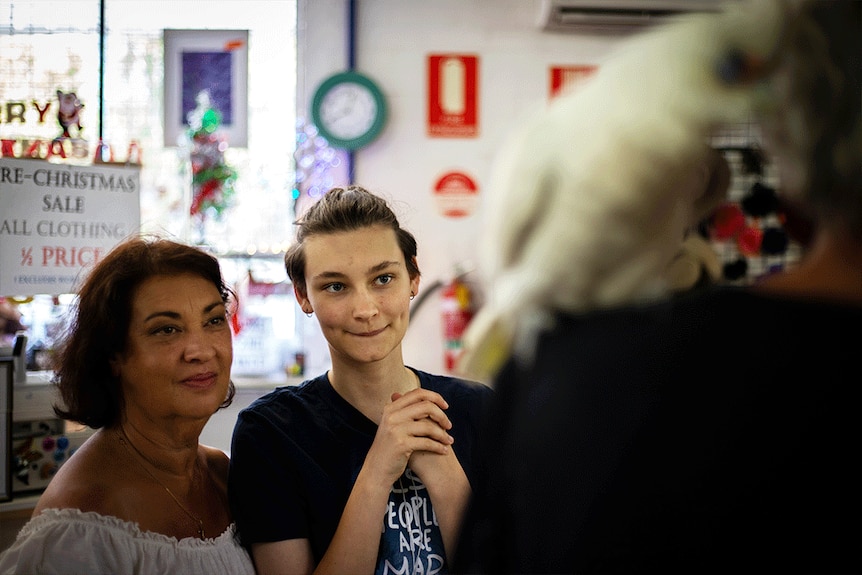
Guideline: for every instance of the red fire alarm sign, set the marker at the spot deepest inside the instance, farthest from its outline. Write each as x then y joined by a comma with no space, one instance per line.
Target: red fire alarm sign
455,194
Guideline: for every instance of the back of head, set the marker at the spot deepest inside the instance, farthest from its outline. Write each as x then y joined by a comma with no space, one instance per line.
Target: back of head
100,322
812,124
344,210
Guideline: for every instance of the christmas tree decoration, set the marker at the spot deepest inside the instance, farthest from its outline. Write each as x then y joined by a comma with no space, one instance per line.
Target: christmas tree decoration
212,178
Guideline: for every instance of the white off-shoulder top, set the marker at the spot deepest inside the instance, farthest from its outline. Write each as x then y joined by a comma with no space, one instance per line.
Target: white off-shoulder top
69,541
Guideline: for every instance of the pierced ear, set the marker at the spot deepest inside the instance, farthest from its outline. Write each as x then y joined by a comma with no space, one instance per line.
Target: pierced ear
301,297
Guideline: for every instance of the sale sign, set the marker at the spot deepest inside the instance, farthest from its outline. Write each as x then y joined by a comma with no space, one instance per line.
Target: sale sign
57,220
453,95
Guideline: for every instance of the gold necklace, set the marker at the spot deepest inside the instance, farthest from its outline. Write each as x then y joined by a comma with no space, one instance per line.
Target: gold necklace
126,442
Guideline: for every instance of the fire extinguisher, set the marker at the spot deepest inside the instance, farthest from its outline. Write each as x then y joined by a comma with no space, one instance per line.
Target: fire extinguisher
457,311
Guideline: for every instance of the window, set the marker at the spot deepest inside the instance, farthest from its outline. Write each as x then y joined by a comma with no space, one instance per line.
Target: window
48,45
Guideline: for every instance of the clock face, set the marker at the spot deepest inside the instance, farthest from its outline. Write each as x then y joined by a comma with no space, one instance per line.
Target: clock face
349,110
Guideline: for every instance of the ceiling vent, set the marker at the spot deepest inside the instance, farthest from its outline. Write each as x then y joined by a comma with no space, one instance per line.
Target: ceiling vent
615,16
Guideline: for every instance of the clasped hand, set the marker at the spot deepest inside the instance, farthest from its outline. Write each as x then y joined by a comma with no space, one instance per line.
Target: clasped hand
413,423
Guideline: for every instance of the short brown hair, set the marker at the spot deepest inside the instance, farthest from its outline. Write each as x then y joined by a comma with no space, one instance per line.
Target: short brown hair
344,209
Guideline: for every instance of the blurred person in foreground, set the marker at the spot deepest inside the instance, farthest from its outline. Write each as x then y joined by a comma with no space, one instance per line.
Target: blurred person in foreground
146,362
720,430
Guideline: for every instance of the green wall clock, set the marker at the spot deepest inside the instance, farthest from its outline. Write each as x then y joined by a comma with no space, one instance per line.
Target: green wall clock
349,110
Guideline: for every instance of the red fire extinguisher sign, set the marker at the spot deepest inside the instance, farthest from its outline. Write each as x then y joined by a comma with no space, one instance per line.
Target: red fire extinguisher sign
453,95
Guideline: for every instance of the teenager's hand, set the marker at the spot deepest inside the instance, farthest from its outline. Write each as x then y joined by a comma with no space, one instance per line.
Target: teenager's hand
415,421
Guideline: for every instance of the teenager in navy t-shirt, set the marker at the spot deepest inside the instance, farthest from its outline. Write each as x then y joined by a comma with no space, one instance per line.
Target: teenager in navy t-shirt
367,467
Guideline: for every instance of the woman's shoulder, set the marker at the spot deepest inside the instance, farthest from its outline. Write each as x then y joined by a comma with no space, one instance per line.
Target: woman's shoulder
85,481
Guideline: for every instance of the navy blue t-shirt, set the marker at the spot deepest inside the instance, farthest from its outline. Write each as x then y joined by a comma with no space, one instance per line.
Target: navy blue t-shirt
296,453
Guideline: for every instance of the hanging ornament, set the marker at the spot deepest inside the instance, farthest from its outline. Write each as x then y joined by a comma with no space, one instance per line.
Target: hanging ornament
212,178
69,109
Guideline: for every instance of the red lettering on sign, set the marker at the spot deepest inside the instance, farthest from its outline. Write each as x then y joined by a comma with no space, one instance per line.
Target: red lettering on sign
60,256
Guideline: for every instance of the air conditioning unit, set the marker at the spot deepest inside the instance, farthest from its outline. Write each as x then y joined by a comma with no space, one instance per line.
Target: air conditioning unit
615,16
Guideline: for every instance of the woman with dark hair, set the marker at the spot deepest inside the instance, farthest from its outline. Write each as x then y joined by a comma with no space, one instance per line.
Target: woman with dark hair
145,361
367,467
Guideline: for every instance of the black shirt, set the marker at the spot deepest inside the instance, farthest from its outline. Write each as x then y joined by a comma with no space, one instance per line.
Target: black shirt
717,431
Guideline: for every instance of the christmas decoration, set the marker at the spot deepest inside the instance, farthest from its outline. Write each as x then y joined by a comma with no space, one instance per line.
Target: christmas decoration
69,113
314,158
212,178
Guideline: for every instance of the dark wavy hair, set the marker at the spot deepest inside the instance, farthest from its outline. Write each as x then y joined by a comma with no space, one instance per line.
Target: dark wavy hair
345,209
100,319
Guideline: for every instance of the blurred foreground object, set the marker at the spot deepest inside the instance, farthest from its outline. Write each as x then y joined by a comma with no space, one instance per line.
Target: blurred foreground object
593,194
719,430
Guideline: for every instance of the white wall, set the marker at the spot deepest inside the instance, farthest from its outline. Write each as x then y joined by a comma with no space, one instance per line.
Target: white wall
393,40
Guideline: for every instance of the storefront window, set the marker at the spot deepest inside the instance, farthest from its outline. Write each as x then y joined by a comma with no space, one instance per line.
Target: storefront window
46,46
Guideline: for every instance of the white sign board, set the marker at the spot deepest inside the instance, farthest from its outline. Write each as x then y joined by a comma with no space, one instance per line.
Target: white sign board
57,220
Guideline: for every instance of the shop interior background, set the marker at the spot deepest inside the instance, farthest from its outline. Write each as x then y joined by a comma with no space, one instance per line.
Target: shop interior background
55,45
294,45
